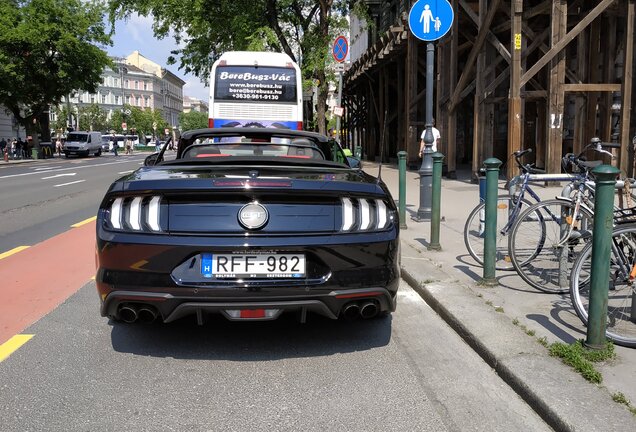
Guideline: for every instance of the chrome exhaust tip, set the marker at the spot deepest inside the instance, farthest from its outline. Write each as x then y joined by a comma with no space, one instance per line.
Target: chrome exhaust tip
369,310
146,314
128,313
351,311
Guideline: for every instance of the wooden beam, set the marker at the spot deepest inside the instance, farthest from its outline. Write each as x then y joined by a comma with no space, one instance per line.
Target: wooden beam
569,37
451,132
494,41
534,94
540,9
580,108
494,84
591,87
472,57
515,121
626,92
557,97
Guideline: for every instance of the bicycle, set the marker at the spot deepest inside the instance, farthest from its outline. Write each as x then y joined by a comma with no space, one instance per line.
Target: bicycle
621,302
508,209
548,236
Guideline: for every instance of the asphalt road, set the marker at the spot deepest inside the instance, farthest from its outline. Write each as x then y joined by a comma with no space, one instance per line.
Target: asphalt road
80,372
39,199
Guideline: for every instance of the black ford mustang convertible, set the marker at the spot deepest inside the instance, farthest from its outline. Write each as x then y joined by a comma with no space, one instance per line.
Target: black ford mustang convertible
248,223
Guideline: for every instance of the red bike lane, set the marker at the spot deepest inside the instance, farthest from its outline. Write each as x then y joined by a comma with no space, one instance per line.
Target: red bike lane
36,280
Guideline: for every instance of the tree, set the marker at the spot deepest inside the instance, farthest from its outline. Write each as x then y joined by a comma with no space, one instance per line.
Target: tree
143,121
193,120
303,29
61,115
93,118
48,49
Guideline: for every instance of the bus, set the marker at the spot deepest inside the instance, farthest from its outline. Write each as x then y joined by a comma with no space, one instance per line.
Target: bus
256,89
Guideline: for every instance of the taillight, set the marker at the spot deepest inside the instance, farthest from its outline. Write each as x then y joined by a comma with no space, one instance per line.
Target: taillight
360,214
140,214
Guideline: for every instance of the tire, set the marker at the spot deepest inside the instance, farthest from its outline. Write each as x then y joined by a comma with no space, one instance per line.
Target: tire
473,231
539,251
98,153
621,302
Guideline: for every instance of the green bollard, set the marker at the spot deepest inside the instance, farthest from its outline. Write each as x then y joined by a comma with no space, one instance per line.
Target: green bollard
402,193
605,176
358,152
436,200
490,236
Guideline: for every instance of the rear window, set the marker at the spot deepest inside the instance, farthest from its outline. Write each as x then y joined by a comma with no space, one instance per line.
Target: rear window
255,84
299,148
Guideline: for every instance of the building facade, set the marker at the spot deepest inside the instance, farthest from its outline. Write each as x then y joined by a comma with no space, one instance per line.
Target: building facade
194,104
134,81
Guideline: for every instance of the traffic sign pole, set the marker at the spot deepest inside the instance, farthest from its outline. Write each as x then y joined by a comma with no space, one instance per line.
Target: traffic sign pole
339,52
429,20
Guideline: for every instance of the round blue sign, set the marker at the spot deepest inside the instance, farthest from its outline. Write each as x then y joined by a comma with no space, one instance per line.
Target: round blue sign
430,20
340,49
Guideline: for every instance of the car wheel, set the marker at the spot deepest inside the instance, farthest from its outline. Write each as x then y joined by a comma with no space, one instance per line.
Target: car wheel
65,154
98,153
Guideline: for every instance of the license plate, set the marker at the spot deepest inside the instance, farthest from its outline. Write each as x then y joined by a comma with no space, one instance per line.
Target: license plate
252,265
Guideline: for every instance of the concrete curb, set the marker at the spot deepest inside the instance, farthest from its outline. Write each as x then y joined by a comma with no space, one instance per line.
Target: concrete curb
565,400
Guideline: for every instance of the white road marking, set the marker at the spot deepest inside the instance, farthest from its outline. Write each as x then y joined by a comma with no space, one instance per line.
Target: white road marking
45,168
66,184
66,169
125,172
59,175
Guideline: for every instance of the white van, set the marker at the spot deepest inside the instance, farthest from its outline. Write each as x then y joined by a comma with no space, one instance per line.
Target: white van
83,143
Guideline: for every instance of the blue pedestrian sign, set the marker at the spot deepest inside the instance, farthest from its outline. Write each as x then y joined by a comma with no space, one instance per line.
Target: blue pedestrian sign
430,20
340,49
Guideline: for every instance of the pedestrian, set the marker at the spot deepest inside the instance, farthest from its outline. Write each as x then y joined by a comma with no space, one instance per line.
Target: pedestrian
157,145
18,148
127,145
112,144
436,139
14,150
58,146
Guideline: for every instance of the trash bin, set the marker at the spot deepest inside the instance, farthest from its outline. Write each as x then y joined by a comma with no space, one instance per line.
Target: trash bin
358,152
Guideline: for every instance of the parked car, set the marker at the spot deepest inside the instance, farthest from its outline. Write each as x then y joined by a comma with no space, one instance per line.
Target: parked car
247,223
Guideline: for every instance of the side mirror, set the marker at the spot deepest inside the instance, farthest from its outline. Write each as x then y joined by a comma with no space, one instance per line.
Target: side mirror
152,159
354,162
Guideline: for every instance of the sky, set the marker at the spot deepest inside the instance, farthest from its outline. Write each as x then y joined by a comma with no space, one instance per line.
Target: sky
136,34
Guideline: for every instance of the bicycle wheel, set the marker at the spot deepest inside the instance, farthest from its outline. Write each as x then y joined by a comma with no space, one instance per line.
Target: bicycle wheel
621,301
474,230
544,242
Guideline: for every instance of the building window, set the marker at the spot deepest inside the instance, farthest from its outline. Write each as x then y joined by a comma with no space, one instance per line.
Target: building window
128,100
115,82
138,101
147,101
125,83
103,99
145,85
92,99
136,85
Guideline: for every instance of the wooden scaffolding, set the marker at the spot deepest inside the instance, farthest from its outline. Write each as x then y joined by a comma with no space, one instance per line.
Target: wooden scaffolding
542,74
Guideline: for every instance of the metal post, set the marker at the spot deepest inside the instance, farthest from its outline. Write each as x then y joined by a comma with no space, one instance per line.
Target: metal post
436,200
426,170
338,134
490,238
402,188
605,176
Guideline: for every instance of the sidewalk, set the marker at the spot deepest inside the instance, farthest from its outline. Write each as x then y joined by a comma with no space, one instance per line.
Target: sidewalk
447,280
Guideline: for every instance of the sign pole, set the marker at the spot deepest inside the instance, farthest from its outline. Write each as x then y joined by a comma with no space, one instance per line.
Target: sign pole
426,170
429,20
339,134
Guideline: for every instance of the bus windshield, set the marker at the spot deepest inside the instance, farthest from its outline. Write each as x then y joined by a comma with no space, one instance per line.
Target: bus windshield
249,83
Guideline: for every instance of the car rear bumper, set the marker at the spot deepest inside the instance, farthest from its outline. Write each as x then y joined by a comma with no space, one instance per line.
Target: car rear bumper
168,307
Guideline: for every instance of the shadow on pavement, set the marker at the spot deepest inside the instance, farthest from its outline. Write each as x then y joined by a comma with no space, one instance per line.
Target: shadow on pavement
220,339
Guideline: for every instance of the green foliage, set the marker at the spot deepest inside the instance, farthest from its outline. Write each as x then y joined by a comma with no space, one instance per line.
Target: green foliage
581,358
61,114
142,121
93,118
304,29
48,49
193,120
